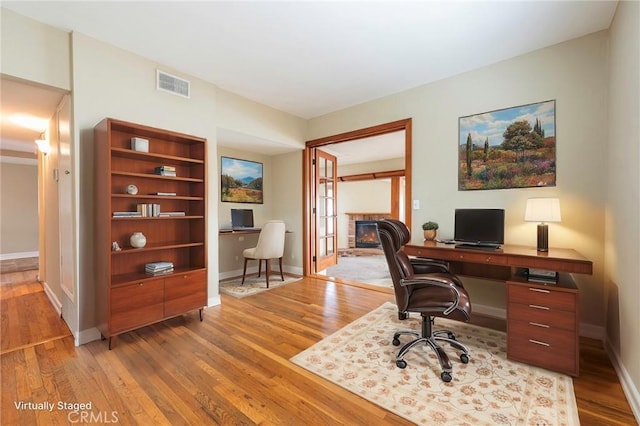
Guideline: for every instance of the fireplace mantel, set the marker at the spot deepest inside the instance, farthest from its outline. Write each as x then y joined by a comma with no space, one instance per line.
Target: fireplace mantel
362,216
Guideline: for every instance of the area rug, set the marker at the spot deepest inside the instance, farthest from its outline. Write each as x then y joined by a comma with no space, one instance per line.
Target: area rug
489,390
363,269
253,285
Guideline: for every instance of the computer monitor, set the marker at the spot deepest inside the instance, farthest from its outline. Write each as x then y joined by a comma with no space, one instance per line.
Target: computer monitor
482,227
242,218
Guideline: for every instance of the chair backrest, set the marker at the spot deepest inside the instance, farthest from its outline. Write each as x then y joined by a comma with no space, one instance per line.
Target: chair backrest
271,240
393,235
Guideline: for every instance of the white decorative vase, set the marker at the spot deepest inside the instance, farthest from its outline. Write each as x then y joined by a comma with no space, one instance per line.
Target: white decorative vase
138,240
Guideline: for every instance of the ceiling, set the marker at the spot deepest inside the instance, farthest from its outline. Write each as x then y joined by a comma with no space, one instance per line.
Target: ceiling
310,58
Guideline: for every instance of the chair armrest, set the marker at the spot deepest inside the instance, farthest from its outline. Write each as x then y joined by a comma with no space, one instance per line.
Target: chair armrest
445,281
428,266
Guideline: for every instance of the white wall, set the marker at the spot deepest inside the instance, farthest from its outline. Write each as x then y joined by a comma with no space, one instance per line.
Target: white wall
34,51
230,259
251,118
19,200
287,205
110,82
574,74
622,230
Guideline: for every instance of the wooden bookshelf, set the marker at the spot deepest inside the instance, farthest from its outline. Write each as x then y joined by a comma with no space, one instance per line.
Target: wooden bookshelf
126,296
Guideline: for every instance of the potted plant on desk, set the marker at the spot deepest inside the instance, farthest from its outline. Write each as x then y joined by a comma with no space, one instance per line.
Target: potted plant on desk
430,230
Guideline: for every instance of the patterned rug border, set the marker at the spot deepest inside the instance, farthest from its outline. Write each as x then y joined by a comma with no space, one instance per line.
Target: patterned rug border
253,285
425,370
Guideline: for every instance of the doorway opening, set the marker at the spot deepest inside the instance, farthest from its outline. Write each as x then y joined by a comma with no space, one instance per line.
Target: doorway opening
321,226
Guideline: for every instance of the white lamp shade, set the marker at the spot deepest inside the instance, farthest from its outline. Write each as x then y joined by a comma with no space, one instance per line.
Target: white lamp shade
542,210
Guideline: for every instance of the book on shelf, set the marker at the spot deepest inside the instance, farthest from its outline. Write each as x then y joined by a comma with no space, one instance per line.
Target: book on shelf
165,171
127,214
172,214
157,268
169,271
149,210
166,194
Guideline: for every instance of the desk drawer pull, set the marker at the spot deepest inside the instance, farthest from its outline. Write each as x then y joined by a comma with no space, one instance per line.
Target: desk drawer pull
539,290
539,307
537,324
537,342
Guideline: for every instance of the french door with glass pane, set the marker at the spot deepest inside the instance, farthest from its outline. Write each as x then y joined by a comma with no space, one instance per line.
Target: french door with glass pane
325,211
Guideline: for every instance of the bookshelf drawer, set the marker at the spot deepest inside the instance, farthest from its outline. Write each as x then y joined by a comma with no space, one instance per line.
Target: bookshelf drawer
185,292
137,304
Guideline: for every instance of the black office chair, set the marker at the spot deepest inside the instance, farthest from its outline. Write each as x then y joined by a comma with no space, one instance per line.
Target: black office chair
432,292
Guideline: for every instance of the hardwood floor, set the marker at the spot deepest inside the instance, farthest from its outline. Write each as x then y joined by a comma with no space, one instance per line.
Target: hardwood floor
232,368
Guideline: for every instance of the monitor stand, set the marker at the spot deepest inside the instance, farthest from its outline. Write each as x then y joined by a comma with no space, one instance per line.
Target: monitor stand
479,246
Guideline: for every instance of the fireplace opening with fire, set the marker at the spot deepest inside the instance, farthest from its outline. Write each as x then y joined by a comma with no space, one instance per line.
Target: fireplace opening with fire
367,234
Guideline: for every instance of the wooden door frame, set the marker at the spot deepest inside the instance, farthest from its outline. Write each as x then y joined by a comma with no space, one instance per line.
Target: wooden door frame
307,201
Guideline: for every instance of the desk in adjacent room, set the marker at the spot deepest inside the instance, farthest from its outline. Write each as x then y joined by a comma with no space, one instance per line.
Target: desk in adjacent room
238,231
542,319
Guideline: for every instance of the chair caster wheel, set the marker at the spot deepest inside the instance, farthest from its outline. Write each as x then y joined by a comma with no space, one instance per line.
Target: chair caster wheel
445,376
396,342
464,358
401,363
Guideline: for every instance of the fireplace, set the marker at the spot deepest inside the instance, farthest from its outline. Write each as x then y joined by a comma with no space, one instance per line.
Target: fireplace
367,234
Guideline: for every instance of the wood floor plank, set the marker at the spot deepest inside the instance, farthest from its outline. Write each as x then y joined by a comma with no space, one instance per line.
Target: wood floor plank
232,368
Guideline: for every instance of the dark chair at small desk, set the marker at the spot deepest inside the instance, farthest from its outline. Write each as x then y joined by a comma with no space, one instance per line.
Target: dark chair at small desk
432,293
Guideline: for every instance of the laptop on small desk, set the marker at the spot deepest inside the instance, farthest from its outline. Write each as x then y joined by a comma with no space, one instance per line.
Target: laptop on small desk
242,220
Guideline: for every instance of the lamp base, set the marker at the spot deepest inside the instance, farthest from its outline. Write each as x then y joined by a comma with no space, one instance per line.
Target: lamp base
543,237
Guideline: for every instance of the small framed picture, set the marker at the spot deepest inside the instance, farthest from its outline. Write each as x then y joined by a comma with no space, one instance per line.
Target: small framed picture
240,181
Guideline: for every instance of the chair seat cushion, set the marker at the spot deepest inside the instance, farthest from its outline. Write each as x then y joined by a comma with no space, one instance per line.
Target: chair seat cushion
250,253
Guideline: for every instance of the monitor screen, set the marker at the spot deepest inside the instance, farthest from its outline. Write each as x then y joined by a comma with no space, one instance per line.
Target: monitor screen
242,218
479,226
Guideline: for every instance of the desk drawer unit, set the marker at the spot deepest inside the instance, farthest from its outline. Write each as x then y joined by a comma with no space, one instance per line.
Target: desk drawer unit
542,326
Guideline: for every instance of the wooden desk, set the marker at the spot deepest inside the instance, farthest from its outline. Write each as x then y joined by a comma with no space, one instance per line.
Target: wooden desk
239,232
542,319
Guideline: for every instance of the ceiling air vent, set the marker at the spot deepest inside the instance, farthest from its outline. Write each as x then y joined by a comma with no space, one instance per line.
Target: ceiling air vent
172,84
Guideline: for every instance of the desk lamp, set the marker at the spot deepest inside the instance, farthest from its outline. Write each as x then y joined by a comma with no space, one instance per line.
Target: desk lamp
542,210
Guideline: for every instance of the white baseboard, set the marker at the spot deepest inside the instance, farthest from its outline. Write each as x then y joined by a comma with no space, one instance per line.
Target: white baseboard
629,388
592,331
88,335
52,298
490,311
295,270
213,301
23,255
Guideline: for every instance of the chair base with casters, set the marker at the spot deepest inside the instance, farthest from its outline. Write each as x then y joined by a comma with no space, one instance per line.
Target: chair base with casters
430,338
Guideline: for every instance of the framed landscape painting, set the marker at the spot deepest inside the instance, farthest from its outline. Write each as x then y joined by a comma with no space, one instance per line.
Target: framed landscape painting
240,180
508,148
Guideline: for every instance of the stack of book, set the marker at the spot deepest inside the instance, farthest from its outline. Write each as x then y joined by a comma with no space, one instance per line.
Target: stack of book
127,214
165,170
158,268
